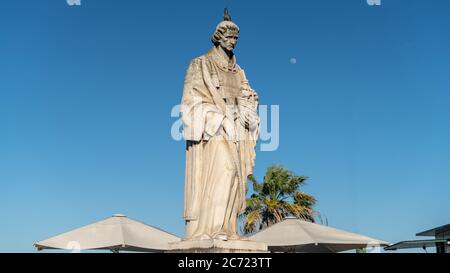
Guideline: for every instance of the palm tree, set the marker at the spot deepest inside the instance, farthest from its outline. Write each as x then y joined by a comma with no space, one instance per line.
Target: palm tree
277,197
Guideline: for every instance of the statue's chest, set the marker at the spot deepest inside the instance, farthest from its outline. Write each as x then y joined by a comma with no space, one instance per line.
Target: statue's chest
230,86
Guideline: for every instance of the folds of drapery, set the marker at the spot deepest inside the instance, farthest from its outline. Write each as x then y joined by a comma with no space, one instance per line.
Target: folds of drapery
203,112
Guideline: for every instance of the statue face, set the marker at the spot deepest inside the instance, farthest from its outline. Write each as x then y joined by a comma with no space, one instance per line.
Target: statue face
229,40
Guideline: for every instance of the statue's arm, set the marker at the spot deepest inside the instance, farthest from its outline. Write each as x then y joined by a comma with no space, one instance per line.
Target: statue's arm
213,123
202,119
248,105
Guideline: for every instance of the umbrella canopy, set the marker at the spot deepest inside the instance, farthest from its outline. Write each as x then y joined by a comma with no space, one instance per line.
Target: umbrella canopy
116,233
294,235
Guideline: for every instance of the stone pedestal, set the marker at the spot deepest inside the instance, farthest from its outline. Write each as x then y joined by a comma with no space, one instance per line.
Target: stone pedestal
218,246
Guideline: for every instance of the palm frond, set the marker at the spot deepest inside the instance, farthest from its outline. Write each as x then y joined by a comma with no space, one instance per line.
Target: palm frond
277,197
251,221
304,199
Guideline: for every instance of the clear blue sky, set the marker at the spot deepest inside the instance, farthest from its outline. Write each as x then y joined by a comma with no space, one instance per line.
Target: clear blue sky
86,94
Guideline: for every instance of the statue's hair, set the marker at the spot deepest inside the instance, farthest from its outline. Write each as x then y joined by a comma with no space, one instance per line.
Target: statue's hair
222,29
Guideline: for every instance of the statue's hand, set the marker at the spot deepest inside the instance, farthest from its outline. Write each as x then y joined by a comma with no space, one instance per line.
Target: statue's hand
250,94
229,129
248,112
249,118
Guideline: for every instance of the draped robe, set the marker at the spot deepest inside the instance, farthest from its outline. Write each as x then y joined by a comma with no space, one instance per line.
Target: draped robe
217,162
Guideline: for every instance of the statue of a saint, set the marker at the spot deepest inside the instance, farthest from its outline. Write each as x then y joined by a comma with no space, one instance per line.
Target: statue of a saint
221,126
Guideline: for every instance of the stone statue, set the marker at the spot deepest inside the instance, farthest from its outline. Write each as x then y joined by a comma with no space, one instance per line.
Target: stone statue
221,126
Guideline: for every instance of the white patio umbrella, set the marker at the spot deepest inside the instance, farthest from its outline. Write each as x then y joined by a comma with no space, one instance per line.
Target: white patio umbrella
294,235
117,233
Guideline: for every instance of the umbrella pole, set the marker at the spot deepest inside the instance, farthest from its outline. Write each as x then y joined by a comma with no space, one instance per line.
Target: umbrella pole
114,250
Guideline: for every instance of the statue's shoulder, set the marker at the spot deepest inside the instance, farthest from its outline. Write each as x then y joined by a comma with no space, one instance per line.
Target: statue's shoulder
196,63
198,59
203,58
195,67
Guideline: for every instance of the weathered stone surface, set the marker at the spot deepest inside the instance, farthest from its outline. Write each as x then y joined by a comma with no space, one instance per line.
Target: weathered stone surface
220,125
218,246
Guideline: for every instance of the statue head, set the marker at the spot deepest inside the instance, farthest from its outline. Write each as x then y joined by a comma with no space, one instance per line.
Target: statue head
226,34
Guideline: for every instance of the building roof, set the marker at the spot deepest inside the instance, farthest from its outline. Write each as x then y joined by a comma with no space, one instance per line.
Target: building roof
435,231
415,244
